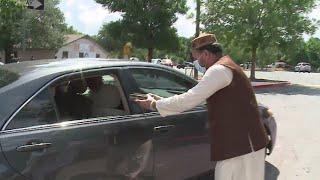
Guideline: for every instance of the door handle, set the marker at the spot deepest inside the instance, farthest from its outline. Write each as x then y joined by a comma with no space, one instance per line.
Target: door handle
33,147
163,129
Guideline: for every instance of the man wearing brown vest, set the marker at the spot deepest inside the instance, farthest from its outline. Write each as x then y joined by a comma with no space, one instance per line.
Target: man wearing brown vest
238,138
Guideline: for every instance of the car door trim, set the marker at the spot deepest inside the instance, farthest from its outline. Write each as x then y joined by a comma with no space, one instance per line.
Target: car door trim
194,110
78,123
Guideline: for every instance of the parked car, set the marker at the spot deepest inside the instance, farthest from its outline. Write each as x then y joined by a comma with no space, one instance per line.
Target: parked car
1,63
167,62
156,61
51,130
185,64
134,59
303,67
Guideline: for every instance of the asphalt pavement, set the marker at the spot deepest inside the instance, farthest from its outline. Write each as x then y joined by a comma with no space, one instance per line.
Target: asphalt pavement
296,109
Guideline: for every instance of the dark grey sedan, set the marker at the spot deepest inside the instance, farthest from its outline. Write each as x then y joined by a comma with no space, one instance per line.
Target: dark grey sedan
73,119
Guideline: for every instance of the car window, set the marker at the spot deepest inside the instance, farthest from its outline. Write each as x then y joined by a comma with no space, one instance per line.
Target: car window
39,111
159,82
90,97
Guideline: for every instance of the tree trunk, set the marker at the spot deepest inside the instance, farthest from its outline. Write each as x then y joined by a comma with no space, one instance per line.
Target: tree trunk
150,54
253,64
195,75
8,51
198,18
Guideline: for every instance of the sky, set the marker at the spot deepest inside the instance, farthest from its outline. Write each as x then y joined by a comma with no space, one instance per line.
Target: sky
87,17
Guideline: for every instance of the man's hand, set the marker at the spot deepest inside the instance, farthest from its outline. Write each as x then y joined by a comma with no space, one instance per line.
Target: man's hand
146,104
156,97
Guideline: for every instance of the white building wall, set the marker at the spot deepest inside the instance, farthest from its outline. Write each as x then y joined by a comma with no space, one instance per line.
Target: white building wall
87,47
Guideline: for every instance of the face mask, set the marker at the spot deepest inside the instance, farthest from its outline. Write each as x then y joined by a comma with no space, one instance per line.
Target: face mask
199,67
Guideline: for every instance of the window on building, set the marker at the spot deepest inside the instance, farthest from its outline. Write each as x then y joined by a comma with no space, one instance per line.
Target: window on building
97,55
65,54
81,55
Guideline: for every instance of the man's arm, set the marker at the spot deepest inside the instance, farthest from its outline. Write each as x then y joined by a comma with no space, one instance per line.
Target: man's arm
216,78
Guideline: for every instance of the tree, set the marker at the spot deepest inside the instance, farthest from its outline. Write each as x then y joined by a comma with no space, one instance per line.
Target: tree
71,30
10,14
313,50
256,24
181,54
198,12
25,28
148,23
112,36
45,29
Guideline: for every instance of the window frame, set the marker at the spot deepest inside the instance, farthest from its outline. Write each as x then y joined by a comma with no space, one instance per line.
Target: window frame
178,74
26,103
134,87
64,77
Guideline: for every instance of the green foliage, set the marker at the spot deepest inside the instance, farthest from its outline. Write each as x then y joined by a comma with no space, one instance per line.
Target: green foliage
257,25
179,55
10,15
313,49
148,23
113,36
307,52
71,30
46,28
27,28
7,77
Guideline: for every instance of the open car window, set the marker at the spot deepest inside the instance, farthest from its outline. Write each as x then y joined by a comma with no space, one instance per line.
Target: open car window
159,82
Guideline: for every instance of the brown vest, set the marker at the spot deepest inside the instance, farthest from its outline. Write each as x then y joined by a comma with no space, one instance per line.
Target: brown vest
235,125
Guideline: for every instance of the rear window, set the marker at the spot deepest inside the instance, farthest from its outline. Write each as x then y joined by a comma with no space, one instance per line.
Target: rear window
7,77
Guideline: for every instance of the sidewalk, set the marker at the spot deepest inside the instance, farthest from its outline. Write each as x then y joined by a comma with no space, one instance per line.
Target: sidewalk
265,83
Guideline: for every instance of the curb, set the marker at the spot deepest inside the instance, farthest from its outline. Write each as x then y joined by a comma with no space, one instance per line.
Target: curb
259,85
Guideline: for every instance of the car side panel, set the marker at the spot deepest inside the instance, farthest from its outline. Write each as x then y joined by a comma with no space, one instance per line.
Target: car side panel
88,150
181,144
6,171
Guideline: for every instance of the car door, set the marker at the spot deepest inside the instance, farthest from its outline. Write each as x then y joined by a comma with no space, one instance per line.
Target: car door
180,141
43,141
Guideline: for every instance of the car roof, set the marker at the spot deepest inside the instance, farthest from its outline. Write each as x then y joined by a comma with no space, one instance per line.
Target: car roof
61,65
32,75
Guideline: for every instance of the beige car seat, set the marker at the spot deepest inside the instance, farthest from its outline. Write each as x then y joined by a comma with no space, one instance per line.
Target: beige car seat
107,101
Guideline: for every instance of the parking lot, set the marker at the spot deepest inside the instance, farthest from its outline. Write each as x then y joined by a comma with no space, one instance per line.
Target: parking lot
296,108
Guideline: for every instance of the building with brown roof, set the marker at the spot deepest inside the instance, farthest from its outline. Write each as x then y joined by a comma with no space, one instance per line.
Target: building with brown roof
80,46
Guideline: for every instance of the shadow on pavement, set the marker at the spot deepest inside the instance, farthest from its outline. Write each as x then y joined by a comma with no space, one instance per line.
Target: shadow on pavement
271,172
293,89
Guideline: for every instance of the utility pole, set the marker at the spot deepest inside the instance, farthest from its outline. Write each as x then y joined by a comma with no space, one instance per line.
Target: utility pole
197,30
